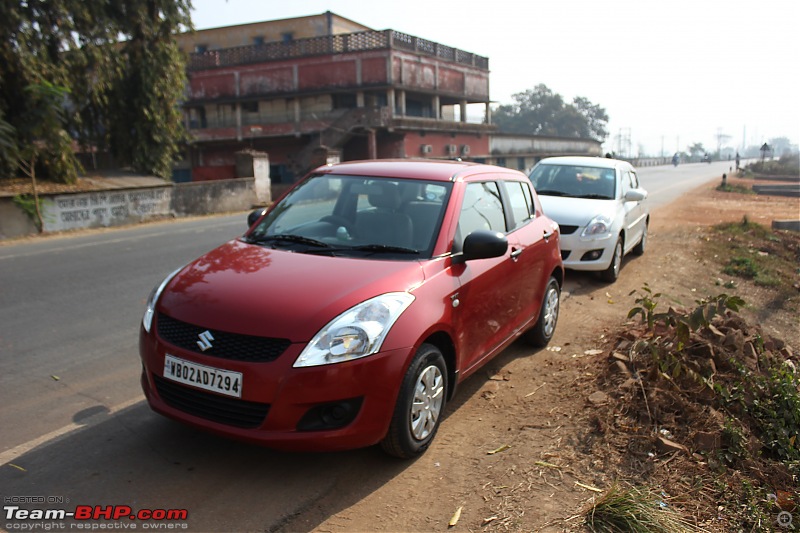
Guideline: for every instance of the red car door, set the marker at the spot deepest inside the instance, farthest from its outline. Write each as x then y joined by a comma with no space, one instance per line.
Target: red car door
488,298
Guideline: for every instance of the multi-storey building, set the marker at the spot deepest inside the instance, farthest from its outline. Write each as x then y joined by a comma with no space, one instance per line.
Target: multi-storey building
321,86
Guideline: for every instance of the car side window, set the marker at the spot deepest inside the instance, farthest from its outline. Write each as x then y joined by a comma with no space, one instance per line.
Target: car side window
482,209
520,202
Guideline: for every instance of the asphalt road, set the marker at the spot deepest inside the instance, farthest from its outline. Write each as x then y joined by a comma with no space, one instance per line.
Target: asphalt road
74,425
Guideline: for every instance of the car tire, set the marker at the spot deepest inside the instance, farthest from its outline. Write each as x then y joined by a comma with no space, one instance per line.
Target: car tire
612,272
545,327
420,405
642,246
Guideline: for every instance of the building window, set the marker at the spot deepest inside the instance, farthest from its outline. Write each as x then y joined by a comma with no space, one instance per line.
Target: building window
258,40
344,101
200,48
250,107
287,37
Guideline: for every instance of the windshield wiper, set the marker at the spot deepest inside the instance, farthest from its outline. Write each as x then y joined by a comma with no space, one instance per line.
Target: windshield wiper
384,248
594,196
376,248
551,192
299,239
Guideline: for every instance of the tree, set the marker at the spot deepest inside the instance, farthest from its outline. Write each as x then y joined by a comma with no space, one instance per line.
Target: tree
8,146
37,40
696,150
781,145
540,111
73,44
147,126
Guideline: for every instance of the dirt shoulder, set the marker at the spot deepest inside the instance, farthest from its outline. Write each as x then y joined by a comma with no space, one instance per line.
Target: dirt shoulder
537,411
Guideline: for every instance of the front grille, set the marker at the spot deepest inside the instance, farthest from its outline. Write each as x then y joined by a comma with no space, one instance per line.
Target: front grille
565,254
567,230
225,345
228,411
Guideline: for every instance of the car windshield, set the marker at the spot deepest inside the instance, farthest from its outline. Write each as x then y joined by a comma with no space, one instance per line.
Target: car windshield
360,216
574,181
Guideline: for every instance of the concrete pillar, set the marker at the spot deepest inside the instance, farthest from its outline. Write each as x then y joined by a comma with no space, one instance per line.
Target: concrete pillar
323,155
437,112
488,113
401,102
238,111
372,144
463,105
254,164
390,101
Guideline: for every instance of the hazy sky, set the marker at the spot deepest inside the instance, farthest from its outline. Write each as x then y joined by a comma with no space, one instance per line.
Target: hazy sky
668,73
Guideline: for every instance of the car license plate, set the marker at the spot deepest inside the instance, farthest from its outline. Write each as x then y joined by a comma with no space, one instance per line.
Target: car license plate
203,377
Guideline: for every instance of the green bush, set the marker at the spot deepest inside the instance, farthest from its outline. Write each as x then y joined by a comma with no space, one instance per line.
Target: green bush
27,204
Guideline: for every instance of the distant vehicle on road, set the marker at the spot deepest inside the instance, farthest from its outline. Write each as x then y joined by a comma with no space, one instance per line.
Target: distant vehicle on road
349,311
600,208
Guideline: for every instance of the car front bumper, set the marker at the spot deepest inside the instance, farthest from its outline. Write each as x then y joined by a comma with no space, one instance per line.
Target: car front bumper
282,407
575,251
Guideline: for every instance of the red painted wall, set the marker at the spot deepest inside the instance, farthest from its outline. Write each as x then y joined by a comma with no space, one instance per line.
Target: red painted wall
266,79
214,173
339,71
478,145
373,71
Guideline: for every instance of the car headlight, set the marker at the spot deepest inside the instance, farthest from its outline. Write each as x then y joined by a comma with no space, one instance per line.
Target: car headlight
599,225
150,309
357,332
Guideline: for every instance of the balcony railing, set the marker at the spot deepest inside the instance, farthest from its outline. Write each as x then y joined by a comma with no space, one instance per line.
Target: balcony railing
332,44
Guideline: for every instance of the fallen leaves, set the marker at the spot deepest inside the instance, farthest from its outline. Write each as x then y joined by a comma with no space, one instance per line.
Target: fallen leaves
588,487
456,516
502,448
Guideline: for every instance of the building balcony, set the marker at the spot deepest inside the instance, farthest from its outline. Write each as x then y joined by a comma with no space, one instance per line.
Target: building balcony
332,44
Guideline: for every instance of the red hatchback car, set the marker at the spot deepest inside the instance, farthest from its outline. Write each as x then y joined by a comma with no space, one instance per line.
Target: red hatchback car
348,312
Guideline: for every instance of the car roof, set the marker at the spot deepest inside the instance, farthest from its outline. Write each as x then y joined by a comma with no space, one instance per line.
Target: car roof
422,169
599,162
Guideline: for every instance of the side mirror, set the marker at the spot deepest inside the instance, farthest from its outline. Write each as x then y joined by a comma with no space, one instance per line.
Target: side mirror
635,195
483,244
255,215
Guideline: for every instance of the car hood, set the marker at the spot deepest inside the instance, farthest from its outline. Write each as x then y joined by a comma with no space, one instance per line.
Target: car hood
252,290
579,212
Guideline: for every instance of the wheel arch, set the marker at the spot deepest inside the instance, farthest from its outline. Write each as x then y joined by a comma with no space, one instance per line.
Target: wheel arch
445,344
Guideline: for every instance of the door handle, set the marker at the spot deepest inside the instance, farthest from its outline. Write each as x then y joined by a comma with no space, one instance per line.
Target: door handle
515,254
547,235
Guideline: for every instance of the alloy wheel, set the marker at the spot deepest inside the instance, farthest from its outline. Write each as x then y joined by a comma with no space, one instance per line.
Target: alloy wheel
428,400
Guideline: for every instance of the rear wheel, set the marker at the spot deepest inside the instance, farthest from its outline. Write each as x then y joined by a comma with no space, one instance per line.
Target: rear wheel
545,327
612,272
419,405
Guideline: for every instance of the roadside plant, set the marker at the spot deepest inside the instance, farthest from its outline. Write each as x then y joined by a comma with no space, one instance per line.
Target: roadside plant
31,206
634,510
775,408
683,323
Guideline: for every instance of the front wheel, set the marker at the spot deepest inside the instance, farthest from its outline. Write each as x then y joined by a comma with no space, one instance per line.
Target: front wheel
419,406
545,327
612,272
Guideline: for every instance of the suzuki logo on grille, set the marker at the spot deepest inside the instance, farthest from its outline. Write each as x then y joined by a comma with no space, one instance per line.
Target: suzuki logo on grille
205,340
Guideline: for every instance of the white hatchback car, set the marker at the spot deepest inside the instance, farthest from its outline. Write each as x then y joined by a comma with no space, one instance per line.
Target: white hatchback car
600,208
